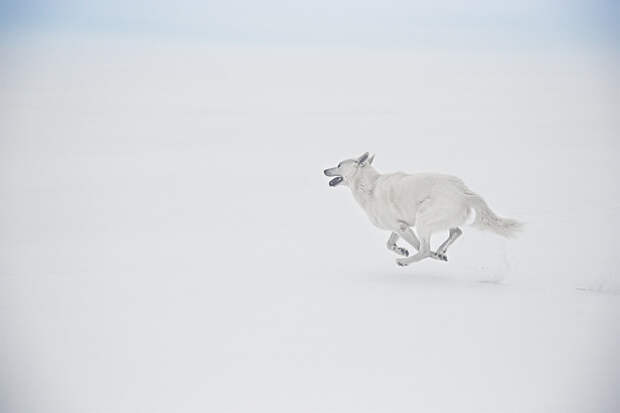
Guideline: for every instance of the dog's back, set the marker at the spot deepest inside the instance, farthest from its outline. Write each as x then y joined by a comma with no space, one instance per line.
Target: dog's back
405,198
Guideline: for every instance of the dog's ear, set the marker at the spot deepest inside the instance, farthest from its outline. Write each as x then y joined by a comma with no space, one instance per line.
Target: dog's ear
372,158
362,158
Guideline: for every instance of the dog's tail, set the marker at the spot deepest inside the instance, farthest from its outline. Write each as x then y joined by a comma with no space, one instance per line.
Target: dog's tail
486,219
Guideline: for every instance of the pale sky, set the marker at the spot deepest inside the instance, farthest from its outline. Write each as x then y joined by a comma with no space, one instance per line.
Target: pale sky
374,23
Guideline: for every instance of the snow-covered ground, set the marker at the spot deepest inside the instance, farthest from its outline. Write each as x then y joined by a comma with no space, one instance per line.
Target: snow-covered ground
168,242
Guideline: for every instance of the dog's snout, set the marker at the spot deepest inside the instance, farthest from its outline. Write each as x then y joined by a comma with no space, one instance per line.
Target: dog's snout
331,172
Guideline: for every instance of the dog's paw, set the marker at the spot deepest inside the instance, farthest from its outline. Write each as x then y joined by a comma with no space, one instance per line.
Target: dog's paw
439,256
402,251
401,262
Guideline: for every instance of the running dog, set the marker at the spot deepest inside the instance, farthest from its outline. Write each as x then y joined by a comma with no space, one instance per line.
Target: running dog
430,203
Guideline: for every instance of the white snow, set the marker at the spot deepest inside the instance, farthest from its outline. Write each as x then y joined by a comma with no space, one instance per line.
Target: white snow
168,242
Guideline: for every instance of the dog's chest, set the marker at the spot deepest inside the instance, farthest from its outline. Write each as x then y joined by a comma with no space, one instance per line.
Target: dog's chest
379,211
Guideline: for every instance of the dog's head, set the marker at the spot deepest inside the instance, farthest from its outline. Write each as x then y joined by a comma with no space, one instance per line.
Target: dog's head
348,169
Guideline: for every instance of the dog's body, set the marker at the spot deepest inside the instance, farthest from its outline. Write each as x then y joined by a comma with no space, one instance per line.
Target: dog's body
429,203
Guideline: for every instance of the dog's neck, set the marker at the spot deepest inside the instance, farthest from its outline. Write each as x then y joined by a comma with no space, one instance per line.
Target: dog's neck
363,184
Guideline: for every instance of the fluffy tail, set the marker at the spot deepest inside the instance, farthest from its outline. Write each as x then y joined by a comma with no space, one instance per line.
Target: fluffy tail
486,219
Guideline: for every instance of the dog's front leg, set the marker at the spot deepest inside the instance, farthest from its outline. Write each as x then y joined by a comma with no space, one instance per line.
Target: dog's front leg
407,233
391,245
423,252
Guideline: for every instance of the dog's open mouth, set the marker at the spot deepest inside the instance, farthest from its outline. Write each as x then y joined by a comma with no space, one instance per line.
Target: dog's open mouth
335,181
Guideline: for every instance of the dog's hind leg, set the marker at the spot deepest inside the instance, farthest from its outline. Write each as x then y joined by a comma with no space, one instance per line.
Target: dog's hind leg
391,245
443,248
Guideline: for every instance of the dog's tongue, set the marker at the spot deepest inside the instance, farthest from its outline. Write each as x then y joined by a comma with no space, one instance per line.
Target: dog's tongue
335,181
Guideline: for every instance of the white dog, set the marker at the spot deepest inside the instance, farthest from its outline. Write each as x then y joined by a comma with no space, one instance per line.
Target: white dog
427,202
